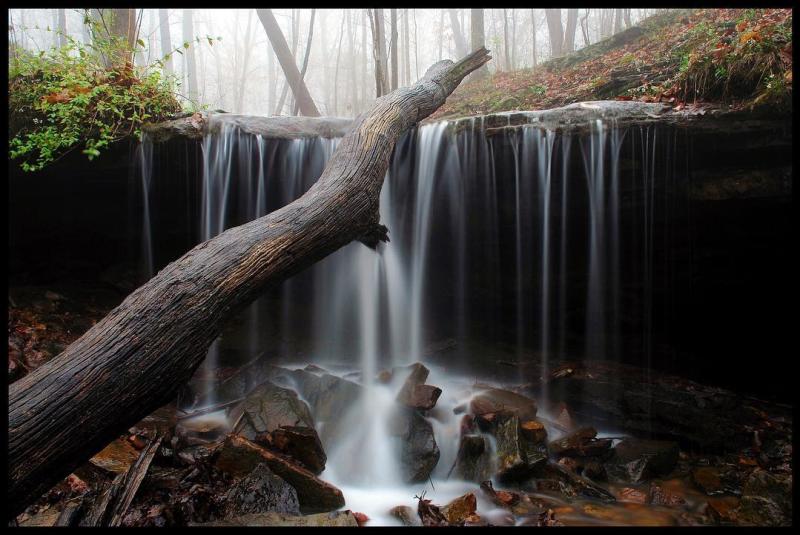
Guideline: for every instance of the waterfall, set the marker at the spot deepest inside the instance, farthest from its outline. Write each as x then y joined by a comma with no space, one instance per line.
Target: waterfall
487,244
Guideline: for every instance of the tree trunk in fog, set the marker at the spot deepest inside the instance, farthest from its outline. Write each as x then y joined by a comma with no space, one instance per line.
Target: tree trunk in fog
285,90
406,50
353,80
617,20
363,78
477,39
137,358
305,58
189,57
458,35
585,28
166,41
336,71
118,25
62,27
533,26
569,33
393,48
272,84
555,30
241,85
627,16
506,52
441,34
285,58
379,51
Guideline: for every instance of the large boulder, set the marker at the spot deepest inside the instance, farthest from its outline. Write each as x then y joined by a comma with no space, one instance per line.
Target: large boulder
423,397
635,460
330,398
418,450
239,457
417,375
460,509
269,407
261,491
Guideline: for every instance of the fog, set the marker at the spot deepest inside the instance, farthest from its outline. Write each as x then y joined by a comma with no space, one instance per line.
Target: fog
237,70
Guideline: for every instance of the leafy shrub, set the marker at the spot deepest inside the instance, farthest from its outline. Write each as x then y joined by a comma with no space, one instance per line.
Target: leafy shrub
69,98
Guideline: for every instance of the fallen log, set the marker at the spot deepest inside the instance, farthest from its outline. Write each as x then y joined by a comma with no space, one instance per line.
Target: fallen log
136,358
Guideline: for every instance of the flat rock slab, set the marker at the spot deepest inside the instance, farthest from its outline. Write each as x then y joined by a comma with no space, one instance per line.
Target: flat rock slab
239,457
302,444
333,519
116,458
497,400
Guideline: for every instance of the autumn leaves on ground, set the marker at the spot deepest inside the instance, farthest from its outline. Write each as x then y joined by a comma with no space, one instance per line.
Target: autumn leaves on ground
739,58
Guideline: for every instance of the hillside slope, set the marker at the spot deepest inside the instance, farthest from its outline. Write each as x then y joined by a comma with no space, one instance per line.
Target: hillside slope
737,58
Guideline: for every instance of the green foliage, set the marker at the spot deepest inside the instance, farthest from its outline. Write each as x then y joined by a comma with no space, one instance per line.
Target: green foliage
81,96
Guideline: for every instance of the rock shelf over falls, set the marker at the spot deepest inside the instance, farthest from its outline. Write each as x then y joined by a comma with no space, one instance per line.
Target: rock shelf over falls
565,277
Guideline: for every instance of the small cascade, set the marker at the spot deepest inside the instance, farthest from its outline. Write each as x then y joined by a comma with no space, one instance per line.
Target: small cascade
145,162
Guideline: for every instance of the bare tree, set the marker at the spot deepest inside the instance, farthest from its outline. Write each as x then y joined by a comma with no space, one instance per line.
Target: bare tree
506,53
585,28
533,31
555,30
305,57
626,13
189,57
286,59
241,86
295,35
62,27
478,38
617,20
458,35
393,48
379,51
569,33
166,41
336,70
406,50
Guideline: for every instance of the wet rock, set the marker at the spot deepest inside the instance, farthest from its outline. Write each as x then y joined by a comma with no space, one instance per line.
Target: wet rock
766,499
405,515
581,443
238,457
269,407
634,459
418,450
330,397
332,519
164,478
497,400
516,458
457,511
722,510
302,444
659,495
116,458
594,470
632,495
361,519
429,513
554,478
564,418
423,397
198,453
707,479
261,492
201,430
473,461
313,368
499,497
46,517
533,431
417,376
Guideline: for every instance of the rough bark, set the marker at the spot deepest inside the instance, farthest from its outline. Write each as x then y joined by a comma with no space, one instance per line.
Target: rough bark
286,59
136,358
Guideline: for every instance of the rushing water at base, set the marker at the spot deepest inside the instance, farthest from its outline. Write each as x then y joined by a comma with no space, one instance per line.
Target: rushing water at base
445,200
